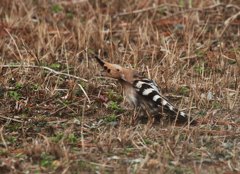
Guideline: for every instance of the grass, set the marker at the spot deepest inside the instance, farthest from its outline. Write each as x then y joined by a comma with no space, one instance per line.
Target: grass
57,114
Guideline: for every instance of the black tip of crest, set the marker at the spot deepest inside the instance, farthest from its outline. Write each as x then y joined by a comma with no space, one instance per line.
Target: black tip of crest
96,57
99,60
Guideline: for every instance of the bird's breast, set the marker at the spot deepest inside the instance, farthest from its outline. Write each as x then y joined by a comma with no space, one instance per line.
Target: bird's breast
130,94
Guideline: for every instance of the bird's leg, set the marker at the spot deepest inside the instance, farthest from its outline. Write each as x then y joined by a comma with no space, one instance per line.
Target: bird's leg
136,114
151,119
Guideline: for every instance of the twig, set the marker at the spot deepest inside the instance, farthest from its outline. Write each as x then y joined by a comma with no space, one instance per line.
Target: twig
101,165
46,68
54,112
14,42
193,10
237,58
169,5
188,57
2,137
11,119
144,10
58,121
84,93
82,137
228,21
233,6
224,123
67,2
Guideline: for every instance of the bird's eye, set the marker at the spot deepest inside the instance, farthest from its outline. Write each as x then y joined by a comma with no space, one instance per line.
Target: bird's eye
108,70
118,70
105,67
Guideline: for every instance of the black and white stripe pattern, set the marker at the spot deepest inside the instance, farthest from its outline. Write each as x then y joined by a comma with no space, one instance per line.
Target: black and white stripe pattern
149,91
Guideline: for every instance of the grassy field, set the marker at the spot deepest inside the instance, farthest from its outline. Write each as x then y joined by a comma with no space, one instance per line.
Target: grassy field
59,115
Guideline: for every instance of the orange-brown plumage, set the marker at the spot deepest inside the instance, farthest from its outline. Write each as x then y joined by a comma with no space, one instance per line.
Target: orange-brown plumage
116,71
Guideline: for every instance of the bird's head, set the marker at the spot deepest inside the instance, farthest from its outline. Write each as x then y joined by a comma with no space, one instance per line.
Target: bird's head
111,70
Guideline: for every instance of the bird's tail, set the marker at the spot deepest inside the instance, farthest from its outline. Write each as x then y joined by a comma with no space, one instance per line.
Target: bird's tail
174,114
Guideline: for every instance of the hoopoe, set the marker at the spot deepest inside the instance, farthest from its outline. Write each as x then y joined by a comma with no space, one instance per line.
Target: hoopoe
143,93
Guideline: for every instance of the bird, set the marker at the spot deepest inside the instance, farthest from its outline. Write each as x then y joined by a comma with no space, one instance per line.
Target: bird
143,93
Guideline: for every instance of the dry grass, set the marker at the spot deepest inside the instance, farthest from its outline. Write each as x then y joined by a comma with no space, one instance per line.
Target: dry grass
58,115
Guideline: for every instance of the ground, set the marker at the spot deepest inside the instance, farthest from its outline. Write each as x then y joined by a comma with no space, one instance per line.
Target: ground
59,115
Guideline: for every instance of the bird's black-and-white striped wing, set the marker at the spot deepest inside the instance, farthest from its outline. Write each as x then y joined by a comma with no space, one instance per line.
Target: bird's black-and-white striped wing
149,91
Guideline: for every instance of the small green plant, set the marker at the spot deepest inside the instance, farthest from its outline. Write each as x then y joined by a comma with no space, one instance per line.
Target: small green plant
128,150
14,95
69,15
184,90
199,69
4,152
112,95
56,8
13,127
12,139
18,86
20,155
202,113
181,3
199,53
65,102
46,160
57,138
147,141
110,118
114,106
35,87
72,138
216,105
55,66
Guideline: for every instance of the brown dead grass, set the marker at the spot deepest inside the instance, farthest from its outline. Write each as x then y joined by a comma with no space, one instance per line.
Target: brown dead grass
58,115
